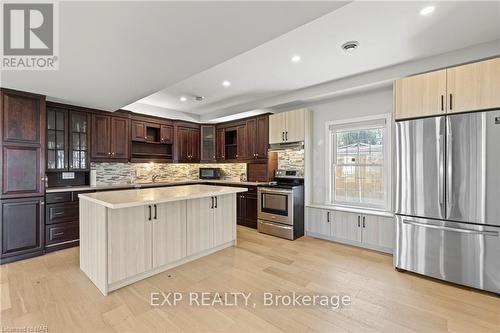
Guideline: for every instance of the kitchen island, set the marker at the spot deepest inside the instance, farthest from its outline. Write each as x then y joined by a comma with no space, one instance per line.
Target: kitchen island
126,236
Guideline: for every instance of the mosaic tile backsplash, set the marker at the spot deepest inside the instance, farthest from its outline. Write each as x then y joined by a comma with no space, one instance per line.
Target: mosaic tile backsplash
127,173
291,159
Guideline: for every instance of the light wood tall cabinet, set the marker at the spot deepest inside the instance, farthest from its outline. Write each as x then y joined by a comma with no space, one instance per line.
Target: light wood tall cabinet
474,86
277,128
420,95
470,87
287,126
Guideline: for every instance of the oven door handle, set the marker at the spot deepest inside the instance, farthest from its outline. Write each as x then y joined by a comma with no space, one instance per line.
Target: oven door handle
276,225
276,191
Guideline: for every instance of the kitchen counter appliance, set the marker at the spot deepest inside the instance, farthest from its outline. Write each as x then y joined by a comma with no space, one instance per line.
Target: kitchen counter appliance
448,198
281,205
210,173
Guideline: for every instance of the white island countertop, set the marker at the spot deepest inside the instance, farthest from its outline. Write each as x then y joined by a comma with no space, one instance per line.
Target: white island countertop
147,196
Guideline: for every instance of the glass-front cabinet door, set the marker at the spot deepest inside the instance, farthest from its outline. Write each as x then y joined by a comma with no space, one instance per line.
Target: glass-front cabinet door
78,141
56,139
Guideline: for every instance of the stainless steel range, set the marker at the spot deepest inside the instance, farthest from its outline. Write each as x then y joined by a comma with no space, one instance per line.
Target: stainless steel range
448,198
281,205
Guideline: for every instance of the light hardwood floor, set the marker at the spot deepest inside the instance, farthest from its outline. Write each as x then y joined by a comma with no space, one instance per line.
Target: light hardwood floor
52,291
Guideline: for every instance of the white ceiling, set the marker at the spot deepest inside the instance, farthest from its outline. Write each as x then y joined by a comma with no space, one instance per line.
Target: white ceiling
389,33
113,53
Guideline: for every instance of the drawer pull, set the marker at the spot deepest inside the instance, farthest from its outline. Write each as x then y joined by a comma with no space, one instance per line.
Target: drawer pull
58,234
58,213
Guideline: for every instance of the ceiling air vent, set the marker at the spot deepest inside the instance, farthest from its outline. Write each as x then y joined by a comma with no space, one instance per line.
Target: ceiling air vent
350,46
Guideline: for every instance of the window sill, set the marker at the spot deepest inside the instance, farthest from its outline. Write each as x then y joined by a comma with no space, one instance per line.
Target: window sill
351,209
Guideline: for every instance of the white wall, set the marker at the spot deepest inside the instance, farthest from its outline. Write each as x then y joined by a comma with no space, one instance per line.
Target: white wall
366,103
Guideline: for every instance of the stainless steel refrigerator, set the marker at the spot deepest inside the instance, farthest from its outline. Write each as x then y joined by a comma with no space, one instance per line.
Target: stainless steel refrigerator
448,198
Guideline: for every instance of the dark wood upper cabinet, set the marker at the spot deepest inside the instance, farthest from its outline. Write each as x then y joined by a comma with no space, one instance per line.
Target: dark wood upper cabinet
208,138
187,142
182,142
242,151
21,225
257,137
261,142
22,144
167,134
110,138
78,141
138,131
23,117
21,171
101,137
57,139
220,142
119,138
67,139
195,138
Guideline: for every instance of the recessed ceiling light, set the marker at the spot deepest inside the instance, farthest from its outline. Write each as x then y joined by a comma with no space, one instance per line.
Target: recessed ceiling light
295,58
427,10
183,99
226,83
350,46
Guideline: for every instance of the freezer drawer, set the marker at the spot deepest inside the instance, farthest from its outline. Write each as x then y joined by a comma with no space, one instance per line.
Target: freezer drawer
462,253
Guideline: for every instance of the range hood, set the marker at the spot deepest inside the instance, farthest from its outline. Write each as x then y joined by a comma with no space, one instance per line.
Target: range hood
286,145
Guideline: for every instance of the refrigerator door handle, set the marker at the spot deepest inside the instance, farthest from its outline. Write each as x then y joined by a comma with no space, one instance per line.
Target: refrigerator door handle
441,167
449,167
465,231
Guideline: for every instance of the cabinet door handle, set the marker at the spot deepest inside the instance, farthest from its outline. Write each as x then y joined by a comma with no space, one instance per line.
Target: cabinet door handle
58,234
328,217
215,202
149,219
442,102
359,224
451,102
364,217
156,212
212,207
282,136
286,136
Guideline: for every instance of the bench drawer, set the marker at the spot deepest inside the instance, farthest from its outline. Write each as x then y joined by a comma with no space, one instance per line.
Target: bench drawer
59,213
59,233
57,197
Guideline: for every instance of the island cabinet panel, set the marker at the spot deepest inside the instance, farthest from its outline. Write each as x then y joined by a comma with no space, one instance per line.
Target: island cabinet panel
119,246
200,225
169,233
224,217
129,242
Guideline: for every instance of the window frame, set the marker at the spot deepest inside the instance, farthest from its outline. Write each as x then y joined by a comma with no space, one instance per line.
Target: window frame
360,123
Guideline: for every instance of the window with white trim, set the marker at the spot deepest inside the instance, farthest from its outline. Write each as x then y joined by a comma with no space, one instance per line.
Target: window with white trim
359,162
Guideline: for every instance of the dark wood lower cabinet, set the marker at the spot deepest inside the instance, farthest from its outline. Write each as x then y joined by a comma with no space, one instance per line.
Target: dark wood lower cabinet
247,208
62,220
21,227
